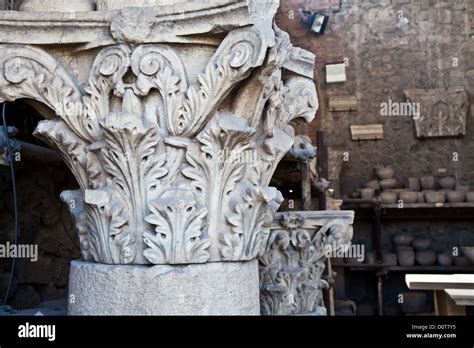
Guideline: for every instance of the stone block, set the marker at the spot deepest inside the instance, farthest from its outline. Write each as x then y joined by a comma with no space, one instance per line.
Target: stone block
220,288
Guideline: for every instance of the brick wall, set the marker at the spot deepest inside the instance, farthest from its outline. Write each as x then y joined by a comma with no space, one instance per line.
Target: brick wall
385,57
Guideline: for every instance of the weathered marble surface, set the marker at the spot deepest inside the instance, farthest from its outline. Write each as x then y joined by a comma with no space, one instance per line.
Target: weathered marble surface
174,159
58,5
222,288
443,111
293,263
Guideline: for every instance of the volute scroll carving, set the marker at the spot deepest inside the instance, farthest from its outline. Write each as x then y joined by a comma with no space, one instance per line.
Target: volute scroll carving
170,171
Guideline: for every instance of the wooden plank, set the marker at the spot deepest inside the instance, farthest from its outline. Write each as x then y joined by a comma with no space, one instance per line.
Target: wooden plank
461,297
445,306
439,281
343,103
367,132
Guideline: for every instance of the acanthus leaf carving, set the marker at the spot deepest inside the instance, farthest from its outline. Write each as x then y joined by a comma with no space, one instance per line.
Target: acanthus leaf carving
292,266
178,237
29,72
250,217
143,137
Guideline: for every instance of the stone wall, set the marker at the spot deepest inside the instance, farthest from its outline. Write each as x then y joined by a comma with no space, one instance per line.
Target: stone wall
428,45
45,222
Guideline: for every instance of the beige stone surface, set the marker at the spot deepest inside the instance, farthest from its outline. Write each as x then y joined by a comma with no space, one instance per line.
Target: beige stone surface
173,146
293,263
58,5
222,288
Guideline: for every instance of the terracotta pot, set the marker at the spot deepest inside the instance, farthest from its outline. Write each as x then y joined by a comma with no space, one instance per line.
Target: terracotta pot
464,189
426,258
414,184
389,259
388,184
435,197
355,195
461,261
409,197
468,253
384,172
414,302
448,183
422,244
388,197
371,258
456,196
367,193
470,196
445,260
402,247
421,197
374,184
427,182
406,257
403,238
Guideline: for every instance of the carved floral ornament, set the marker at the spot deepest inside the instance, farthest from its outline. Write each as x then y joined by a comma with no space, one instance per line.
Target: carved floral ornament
293,263
151,152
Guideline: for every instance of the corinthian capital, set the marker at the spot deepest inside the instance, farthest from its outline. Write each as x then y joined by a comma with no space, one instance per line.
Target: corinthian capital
173,146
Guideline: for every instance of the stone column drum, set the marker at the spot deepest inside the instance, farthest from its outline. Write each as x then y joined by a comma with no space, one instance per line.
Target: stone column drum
173,120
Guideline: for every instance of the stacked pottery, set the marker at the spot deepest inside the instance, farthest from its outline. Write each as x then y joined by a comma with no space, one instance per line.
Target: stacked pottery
470,196
405,253
445,260
424,256
468,253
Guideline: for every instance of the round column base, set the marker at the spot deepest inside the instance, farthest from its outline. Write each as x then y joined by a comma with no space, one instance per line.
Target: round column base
222,288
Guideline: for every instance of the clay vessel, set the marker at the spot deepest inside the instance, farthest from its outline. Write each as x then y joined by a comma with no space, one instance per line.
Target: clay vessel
435,196
388,184
468,253
409,197
426,258
456,196
389,259
406,257
445,260
388,197
367,193
414,184
374,184
448,183
462,188
422,244
421,197
427,182
384,172
461,261
470,196
403,238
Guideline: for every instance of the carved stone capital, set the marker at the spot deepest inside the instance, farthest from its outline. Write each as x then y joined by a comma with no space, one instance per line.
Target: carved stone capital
171,170
293,263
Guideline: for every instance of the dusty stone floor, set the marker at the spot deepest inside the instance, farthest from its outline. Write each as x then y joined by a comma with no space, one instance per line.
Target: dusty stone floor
47,308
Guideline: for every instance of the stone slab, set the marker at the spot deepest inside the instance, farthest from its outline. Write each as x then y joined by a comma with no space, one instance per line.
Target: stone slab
222,288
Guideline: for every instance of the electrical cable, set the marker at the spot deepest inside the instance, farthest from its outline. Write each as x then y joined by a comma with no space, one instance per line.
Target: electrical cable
15,205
